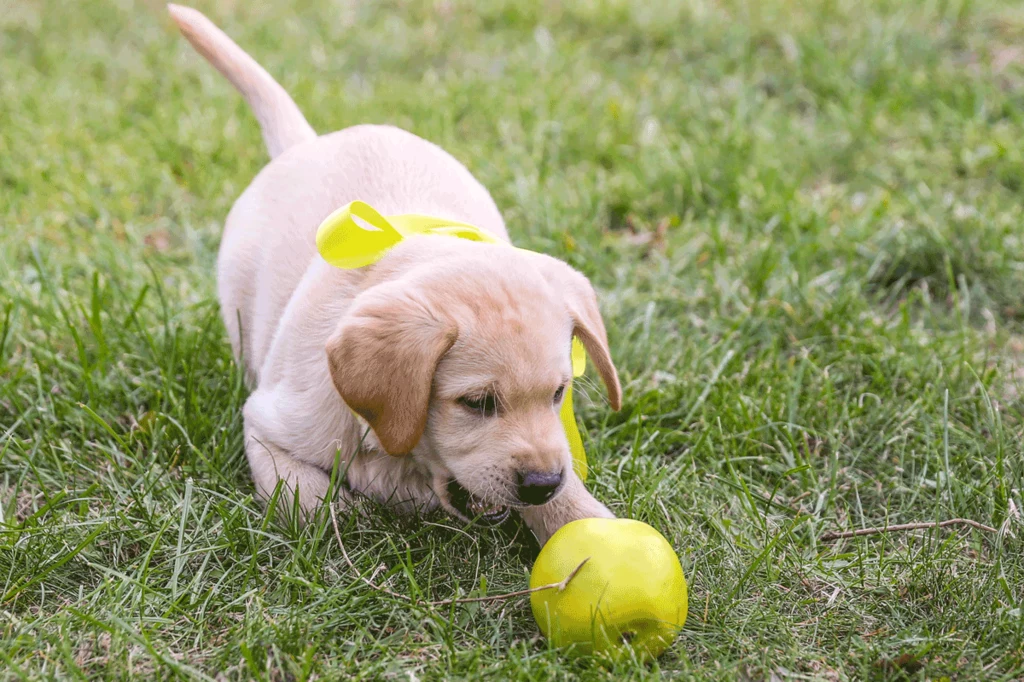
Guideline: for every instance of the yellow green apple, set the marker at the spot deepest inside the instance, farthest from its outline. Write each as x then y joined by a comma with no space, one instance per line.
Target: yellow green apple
629,595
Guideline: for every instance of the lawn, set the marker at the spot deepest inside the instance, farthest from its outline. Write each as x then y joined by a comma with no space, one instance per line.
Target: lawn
804,222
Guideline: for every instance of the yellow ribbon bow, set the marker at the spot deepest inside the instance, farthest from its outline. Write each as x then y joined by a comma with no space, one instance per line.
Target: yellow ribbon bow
345,243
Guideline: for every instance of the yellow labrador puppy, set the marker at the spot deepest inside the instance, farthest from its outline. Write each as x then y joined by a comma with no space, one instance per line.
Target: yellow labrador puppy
454,353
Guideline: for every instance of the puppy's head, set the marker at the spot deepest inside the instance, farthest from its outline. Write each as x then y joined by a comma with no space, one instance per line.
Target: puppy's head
461,359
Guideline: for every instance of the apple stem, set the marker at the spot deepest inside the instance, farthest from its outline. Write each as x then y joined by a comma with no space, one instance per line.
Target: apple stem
565,583
560,586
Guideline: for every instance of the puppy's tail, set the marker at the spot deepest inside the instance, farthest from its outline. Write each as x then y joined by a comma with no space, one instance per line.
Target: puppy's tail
282,123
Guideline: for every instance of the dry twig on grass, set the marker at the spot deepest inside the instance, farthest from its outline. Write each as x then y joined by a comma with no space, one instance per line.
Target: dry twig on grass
828,537
561,585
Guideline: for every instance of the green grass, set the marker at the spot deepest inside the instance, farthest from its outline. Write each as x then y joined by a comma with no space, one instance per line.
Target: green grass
804,220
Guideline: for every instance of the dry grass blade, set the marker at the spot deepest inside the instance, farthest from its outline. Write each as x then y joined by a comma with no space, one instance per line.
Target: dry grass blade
828,537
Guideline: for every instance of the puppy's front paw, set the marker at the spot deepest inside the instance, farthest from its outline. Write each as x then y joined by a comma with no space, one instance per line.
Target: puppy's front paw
573,504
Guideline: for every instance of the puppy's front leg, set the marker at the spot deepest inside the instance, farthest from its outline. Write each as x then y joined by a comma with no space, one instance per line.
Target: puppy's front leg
575,502
271,463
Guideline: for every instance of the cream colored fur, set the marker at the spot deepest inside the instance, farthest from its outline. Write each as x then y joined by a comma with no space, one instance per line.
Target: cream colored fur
400,342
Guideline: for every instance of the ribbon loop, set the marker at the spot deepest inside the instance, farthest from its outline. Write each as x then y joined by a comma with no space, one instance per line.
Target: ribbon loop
346,244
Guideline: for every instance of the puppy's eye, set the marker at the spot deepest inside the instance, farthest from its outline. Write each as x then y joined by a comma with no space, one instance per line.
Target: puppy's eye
485,405
559,393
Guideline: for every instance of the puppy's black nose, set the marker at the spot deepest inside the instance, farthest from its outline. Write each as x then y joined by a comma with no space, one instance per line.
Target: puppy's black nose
537,487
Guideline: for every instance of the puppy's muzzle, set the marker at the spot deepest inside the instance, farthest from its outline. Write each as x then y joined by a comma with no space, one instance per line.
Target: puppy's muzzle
472,507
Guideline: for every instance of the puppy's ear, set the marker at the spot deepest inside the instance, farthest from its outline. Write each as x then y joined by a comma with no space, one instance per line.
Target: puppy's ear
382,359
588,325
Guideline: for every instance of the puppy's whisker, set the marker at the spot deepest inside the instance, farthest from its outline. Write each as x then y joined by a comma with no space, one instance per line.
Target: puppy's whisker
499,398
584,385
